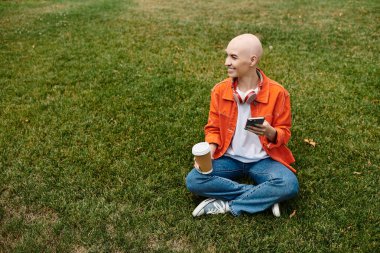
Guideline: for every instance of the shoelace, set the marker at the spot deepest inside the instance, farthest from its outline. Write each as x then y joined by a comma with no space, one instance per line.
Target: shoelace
218,208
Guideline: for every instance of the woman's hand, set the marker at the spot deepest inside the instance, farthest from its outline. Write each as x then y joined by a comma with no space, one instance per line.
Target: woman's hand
264,130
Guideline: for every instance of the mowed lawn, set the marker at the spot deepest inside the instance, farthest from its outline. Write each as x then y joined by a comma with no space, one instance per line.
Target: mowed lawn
101,102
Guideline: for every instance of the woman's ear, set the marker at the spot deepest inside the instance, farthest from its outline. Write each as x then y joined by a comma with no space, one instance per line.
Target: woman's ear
254,60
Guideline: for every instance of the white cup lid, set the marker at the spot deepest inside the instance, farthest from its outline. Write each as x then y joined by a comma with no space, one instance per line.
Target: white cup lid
201,148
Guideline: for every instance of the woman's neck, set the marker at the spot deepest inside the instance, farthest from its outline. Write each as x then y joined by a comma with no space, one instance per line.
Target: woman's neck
248,82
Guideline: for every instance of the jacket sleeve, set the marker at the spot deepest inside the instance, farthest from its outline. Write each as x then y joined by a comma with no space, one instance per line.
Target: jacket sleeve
282,120
212,129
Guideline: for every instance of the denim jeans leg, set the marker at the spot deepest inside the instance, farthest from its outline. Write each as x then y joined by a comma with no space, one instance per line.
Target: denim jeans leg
275,183
219,183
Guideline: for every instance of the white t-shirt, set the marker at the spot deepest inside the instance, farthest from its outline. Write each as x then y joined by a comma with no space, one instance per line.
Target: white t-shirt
245,146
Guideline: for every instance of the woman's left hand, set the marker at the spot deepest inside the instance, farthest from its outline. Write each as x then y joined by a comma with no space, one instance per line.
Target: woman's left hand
264,130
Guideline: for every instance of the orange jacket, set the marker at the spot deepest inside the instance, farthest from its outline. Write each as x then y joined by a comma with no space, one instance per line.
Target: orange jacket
272,102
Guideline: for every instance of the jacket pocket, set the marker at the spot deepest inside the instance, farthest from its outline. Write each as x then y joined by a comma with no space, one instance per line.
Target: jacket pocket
224,121
225,114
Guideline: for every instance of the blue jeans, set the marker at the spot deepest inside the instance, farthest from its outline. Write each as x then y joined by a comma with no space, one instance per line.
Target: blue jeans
273,183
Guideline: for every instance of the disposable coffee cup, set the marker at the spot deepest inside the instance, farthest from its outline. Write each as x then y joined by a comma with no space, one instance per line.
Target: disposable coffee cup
202,154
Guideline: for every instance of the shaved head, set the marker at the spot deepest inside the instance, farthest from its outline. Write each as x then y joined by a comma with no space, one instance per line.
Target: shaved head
246,45
243,56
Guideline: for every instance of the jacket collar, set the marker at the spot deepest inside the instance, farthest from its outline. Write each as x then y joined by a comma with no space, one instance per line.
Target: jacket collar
262,96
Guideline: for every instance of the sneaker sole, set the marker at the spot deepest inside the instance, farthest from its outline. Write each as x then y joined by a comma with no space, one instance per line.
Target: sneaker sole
276,210
200,207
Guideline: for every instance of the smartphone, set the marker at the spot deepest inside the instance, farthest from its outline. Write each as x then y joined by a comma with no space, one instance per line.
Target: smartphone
254,121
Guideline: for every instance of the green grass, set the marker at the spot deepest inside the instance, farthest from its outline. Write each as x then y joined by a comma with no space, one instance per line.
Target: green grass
101,102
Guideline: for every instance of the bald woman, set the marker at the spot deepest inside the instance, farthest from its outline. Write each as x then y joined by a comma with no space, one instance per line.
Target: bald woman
239,150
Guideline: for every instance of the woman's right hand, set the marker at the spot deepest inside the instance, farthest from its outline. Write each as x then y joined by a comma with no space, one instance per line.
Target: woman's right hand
196,165
213,147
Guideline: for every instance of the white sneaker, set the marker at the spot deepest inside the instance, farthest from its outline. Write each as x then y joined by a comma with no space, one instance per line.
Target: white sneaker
276,210
211,206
